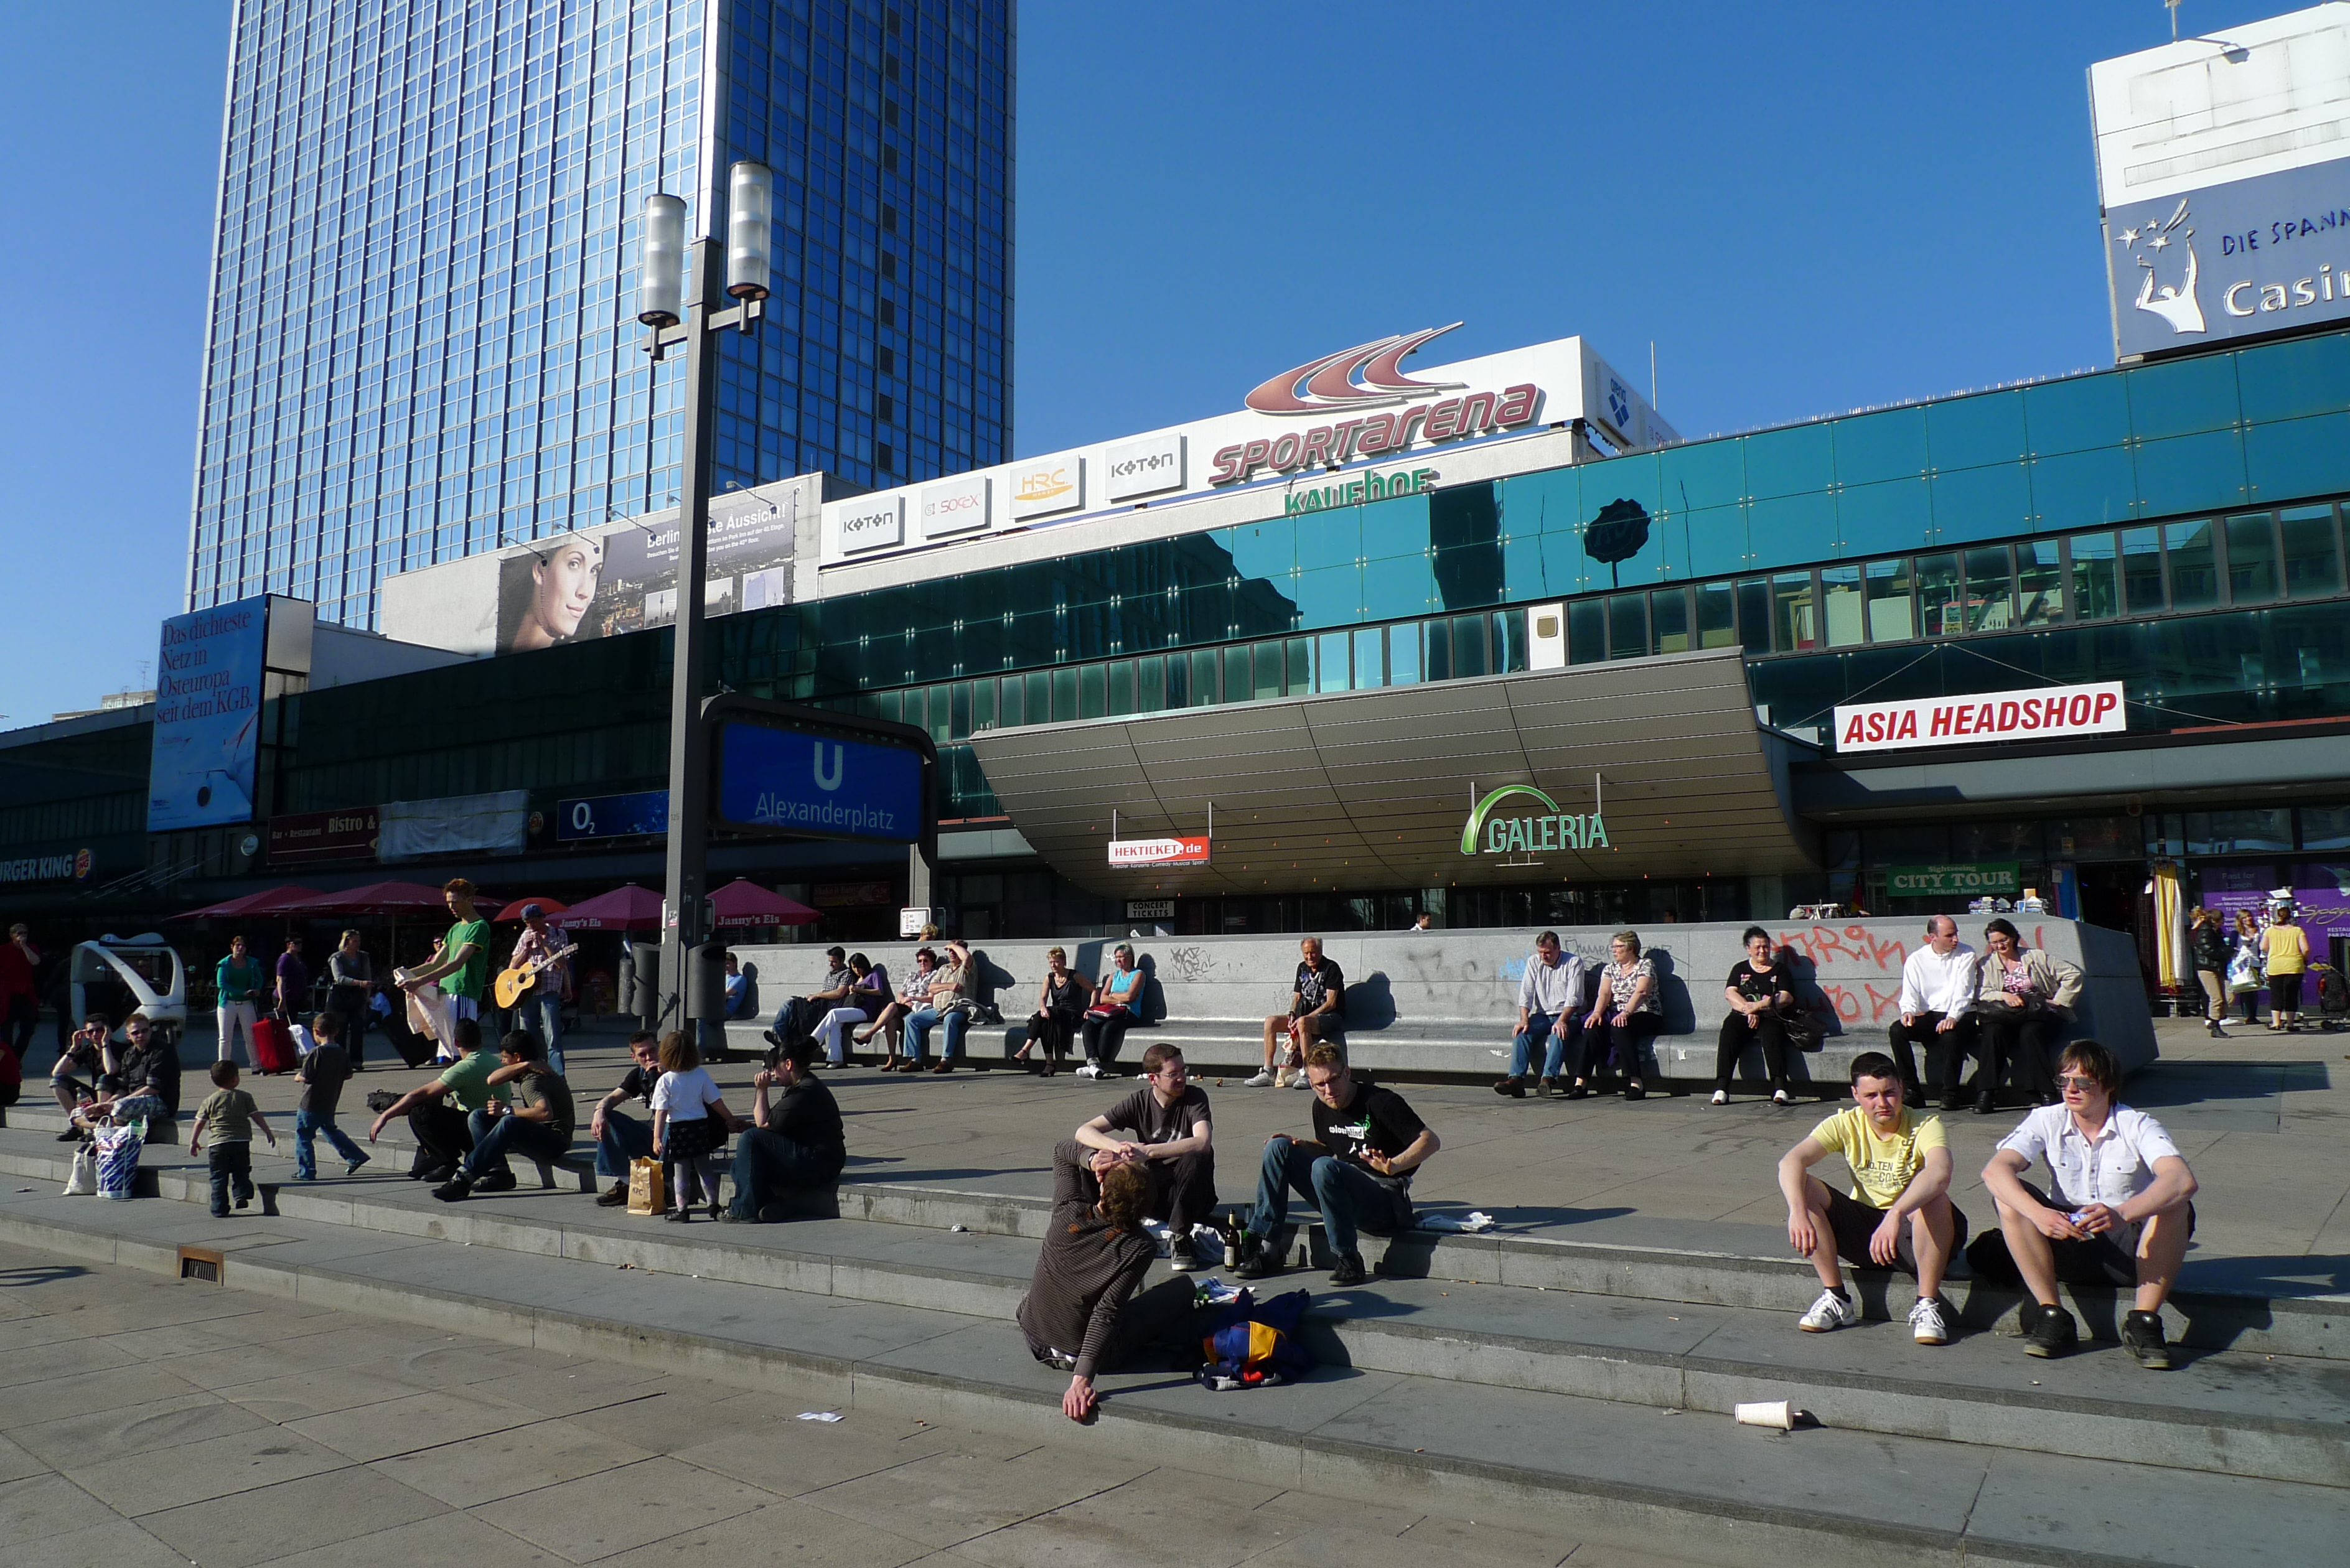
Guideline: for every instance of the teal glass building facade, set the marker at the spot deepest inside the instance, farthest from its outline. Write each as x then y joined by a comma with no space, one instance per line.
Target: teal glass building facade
423,343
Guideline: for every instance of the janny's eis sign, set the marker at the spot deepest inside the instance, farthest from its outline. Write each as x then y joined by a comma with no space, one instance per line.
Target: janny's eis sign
2045,712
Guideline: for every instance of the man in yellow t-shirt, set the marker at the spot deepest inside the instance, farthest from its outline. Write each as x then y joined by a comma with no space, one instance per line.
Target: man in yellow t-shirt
1899,1215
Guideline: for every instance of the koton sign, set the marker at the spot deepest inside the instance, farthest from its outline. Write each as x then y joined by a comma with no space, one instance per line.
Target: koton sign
870,524
1189,850
2041,713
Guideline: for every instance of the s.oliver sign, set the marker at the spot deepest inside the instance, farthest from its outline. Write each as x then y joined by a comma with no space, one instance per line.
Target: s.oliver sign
2041,713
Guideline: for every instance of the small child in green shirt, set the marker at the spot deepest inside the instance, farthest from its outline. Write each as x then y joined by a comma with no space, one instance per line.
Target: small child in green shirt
231,1115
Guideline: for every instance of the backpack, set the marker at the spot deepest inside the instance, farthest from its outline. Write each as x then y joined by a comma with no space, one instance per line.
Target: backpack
1253,1347
2333,991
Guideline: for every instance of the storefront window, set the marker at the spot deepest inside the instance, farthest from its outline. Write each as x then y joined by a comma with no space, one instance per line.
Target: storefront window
1272,670
1333,674
1627,626
1150,684
2313,559
1468,645
2142,569
1093,696
1890,617
1403,656
2094,838
1991,594
1668,617
1754,616
1437,655
1941,597
1370,658
1717,616
2097,577
2234,832
1840,604
2325,827
1586,631
1792,627
2005,839
2040,582
1509,641
1121,687
1203,687
2194,565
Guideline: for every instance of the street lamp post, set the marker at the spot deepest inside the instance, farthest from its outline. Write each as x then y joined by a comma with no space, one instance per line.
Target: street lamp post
679,301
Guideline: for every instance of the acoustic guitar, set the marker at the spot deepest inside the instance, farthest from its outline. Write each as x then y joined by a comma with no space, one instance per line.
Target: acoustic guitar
514,984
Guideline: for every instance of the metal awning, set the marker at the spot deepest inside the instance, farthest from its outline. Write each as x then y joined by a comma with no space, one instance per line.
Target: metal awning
1373,789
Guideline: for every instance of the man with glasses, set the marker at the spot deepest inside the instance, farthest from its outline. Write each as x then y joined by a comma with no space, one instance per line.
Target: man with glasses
2117,1212
1357,1169
1174,1141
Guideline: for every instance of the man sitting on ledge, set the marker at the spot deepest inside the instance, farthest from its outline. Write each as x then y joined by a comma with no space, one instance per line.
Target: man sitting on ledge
1366,1143
1174,1142
1899,1214
797,1144
1077,1315
620,1138
2117,1211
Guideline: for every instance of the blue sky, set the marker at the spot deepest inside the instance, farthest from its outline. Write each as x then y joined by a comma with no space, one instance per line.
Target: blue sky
1806,209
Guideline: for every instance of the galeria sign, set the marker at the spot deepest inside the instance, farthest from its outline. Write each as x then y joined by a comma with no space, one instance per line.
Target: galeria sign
2043,712
1192,850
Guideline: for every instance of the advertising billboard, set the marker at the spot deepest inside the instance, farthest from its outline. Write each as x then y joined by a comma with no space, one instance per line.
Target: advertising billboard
2241,260
783,780
2038,713
206,762
1186,849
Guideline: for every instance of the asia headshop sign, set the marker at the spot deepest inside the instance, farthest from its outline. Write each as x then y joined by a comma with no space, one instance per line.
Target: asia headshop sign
2271,253
2042,713
788,781
207,747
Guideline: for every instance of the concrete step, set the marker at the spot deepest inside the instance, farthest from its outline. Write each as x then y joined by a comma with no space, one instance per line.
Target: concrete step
1673,1480
2244,1321
2280,1417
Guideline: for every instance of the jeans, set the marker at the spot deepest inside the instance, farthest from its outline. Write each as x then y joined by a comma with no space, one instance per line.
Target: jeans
1348,1196
492,1139
233,1016
1538,1027
541,1013
231,1166
920,1023
351,1004
767,1165
624,1138
307,1127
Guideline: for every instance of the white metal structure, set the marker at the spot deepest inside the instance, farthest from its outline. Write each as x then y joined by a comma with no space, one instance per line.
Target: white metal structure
147,967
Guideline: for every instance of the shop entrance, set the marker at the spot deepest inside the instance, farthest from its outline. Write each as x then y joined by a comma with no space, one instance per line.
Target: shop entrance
2113,895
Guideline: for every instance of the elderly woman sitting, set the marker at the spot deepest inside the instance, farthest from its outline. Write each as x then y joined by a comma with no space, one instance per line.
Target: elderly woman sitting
2024,1000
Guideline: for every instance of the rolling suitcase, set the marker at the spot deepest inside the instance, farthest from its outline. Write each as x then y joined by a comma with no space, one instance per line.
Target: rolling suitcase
273,1046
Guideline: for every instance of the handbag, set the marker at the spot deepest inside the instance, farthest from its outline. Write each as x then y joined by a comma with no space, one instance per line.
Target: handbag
2244,969
1103,1014
1803,1028
647,1191
82,1179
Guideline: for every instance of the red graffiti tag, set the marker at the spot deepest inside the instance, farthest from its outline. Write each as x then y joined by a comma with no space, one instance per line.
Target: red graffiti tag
1854,944
1851,1009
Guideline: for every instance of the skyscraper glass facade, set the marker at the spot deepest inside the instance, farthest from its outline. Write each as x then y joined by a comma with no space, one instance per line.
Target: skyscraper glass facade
422,340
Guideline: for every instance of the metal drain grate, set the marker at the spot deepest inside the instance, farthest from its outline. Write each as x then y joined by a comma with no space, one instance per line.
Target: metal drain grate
201,1263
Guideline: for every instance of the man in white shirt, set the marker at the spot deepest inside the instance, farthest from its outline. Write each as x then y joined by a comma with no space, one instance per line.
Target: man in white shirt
1550,1008
1938,993
2117,1212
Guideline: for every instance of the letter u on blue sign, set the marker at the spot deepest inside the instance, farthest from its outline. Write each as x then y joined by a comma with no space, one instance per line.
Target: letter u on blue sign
828,782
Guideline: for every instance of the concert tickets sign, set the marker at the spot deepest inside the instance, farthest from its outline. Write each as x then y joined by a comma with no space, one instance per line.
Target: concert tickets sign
2042,713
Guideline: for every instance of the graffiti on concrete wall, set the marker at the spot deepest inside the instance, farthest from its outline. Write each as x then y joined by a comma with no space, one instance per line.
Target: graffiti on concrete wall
1858,971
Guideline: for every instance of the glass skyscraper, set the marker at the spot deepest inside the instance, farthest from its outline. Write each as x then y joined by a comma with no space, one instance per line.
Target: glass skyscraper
422,340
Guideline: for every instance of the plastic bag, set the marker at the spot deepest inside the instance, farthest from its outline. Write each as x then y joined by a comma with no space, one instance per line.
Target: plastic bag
82,1179
118,1160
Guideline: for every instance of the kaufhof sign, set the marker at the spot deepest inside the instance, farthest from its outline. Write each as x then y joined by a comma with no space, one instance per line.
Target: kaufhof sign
2047,712
1555,828
1301,429
1188,849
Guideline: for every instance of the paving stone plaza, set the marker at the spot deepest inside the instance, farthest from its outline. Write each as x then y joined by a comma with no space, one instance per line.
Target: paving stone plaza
526,1375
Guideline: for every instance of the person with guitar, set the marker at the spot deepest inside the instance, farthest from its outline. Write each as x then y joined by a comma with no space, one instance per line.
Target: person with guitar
535,979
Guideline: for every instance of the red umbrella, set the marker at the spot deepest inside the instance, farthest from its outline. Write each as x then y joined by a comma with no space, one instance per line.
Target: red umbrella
743,902
629,909
513,911
374,899
250,903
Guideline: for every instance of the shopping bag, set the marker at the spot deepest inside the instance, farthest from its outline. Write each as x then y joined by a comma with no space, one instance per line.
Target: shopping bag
1254,1344
82,1179
303,1043
648,1188
118,1160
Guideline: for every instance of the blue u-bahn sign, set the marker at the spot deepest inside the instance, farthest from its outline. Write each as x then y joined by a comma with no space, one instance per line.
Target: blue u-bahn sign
807,780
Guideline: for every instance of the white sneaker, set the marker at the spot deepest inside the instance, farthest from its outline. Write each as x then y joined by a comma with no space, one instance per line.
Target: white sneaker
1828,1312
1298,1082
1928,1325
1263,1080
1780,1098
1720,1097
1090,1070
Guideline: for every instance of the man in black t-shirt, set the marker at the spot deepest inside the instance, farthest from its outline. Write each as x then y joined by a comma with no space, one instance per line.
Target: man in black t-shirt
798,1143
1173,1138
620,1138
1366,1143
531,1115
1317,1012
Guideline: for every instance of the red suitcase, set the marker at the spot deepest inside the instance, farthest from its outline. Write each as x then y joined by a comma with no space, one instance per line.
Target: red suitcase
273,1046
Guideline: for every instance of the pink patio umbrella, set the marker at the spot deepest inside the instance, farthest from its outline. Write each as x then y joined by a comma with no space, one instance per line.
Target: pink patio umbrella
625,909
743,902
263,902
372,899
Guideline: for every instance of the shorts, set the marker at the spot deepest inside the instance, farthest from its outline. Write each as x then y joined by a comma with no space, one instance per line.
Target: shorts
2110,1259
1854,1222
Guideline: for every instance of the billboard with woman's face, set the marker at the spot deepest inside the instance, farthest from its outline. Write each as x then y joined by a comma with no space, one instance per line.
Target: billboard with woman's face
543,596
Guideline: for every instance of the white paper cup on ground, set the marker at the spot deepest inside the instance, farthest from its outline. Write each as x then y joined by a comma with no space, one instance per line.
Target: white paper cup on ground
1779,1413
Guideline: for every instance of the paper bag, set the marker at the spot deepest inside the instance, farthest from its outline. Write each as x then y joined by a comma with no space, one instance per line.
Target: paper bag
648,1188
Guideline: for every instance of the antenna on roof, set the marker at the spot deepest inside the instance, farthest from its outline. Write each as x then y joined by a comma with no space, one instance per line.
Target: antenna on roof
2172,5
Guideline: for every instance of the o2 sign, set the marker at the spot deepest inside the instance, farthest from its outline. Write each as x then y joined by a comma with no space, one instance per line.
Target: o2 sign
612,815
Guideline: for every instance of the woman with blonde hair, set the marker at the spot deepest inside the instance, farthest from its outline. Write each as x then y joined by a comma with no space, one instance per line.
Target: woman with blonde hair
1627,1016
1060,1013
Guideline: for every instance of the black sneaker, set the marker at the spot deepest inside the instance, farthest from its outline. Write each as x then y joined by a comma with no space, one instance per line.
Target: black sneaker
1350,1269
1546,1087
1255,1259
774,1214
1515,1088
613,1197
1579,1091
1181,1255
1985,1103
453,1190
69,1135
2050,1332
498,1181
2142,1337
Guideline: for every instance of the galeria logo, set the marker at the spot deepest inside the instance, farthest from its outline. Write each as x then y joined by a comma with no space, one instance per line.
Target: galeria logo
1559,830
1367,376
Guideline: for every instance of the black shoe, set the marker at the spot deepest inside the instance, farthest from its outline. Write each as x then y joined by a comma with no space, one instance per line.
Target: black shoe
680,1216
245,1204
1255,1261
1950,1101
69,1135
774,1214
1985,1103
1580,1091
613,1197
2050,1332
1636,1092
2217,1033
1513,1086
772,1038
2142,1337
454,1190
1546,1087
497,1181
434,1173
1349,1272
1181,1255
728,1217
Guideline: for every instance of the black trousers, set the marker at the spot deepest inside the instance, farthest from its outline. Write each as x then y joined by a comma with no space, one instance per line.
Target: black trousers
2016,1041
1105,1035
1625,1038
1737,1035
1946,1053
1183,1190
443,1134
1054,1028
